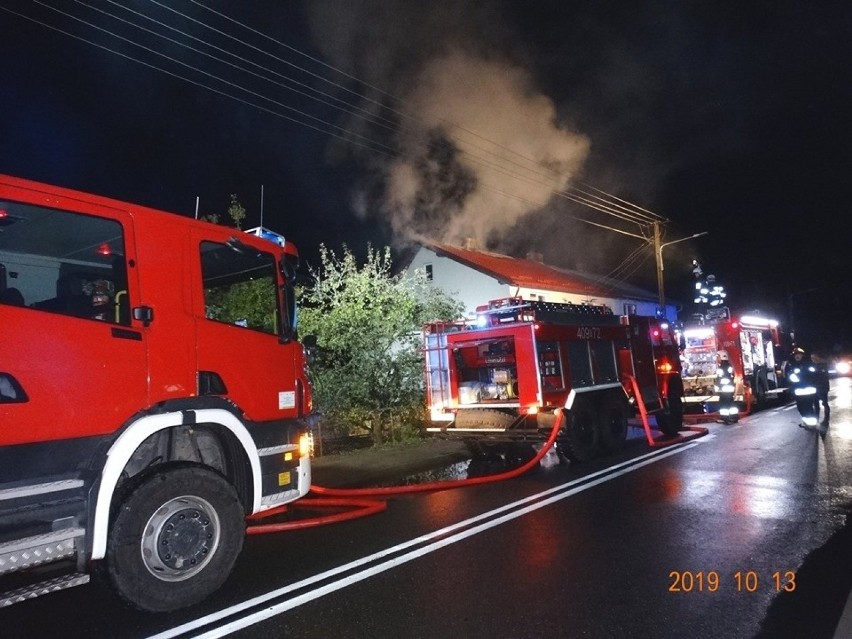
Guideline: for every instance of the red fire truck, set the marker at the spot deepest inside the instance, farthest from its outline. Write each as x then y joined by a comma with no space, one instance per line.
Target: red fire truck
145,409
751,343
504,379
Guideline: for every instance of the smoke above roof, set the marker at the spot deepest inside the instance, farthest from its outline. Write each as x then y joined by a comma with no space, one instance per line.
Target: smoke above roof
474,146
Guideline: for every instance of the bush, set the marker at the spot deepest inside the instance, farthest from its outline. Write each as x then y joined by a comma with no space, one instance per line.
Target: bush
368,374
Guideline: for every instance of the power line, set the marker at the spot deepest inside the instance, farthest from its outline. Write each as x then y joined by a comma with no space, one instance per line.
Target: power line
645,214
306,93
625,213
225,94
214,77
185,79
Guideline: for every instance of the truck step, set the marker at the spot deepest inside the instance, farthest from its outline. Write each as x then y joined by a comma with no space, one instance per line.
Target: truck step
19,554
46,587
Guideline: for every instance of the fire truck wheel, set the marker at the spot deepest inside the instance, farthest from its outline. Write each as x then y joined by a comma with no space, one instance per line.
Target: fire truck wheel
613,426
670,419
175,539
669,422
581,440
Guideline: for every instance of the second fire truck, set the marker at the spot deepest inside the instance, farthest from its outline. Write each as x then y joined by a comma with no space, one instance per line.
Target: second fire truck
751,343
505,379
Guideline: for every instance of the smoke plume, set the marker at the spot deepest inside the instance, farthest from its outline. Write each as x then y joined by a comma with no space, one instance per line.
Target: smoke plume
476,147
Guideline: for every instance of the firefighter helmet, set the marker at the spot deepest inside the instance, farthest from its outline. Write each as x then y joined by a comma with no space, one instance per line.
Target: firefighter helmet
800,355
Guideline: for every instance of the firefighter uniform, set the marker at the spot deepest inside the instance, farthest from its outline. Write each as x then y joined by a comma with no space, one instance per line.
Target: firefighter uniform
725,388
821,382
802,376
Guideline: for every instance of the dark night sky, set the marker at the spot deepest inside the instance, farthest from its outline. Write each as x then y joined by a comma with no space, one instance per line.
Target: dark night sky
729,120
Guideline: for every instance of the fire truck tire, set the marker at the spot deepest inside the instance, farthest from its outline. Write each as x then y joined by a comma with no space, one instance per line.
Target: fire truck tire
580,441
175,539
670,419
484,418
613,426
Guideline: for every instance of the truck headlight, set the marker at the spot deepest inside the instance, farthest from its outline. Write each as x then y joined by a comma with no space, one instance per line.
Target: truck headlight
306,445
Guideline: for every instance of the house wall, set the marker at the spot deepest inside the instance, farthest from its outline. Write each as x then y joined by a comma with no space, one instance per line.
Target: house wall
466,284
474,288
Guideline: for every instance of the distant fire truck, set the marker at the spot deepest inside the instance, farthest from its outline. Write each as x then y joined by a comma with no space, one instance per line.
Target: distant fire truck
504,379
750,343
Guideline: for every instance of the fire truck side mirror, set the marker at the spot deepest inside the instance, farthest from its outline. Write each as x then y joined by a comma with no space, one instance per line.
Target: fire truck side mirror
144,314
288,270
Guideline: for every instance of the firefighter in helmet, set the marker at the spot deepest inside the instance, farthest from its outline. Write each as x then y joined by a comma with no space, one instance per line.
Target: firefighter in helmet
801,375
725,388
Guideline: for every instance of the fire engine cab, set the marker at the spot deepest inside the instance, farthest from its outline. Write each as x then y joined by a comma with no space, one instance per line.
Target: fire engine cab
145,408
750,342
504,378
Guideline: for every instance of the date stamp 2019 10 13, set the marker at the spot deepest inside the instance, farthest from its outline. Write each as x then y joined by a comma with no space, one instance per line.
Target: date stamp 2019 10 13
686,581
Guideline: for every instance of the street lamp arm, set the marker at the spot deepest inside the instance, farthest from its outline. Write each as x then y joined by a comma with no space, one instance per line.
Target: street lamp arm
683,239
659,255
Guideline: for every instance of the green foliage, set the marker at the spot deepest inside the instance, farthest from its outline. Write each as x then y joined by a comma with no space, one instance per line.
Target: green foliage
250,303
367,323
236,211
210,217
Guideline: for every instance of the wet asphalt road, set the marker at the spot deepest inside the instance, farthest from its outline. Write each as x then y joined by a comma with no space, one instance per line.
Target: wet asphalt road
738,534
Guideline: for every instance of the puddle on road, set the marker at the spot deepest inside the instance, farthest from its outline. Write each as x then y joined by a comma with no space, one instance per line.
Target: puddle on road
477,468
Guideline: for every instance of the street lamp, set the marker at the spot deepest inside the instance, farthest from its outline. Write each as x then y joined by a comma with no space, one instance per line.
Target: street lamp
660,267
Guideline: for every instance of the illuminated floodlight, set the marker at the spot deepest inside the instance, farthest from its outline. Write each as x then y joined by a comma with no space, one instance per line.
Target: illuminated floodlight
754,320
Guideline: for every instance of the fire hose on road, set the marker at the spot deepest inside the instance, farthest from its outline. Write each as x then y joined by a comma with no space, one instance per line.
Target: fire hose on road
362,502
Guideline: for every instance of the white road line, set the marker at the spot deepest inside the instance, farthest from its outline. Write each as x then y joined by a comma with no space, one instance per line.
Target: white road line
562,491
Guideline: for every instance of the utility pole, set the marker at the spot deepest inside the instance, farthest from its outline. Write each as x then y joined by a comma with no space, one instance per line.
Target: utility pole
658,252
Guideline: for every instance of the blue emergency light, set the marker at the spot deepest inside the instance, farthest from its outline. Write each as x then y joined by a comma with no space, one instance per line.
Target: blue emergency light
266,234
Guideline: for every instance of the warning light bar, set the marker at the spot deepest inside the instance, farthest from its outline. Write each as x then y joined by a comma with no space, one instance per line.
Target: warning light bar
266,234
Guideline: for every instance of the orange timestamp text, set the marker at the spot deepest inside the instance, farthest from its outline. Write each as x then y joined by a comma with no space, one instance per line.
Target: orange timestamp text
685,581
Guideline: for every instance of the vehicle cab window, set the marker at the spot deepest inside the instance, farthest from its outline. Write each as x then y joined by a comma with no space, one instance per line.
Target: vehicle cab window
63,262
240,286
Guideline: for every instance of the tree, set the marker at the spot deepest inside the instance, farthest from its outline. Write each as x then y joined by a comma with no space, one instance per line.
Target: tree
367,324
236,211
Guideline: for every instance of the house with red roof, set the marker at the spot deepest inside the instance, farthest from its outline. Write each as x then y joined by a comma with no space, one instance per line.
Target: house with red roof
476,276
